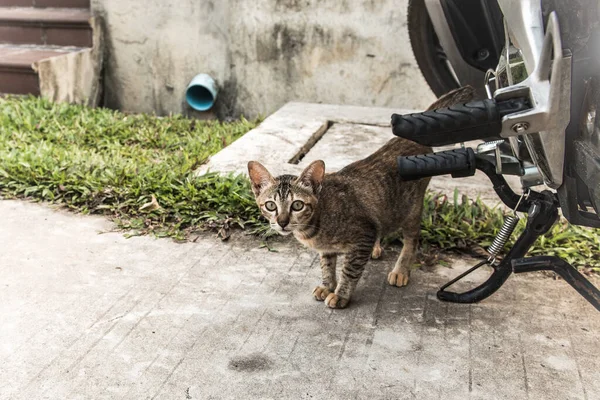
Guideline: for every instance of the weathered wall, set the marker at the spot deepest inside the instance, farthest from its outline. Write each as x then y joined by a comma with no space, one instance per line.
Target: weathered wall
262,53
154,47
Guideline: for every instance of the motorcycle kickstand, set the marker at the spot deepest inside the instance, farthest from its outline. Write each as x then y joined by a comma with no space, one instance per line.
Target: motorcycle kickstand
542,215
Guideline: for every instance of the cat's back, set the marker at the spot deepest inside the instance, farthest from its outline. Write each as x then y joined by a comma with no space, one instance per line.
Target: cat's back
385,159
371,190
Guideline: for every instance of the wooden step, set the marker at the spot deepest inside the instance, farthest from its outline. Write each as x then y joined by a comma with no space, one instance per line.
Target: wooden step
46,3
45,26
16,72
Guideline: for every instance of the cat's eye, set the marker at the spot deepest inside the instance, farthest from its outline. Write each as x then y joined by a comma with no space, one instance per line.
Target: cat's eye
270,206
297,205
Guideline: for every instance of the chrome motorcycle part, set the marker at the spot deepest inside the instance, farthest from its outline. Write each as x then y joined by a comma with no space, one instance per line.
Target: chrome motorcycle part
489,76
548,87
509,76
520,127
510,223
531,176
504,163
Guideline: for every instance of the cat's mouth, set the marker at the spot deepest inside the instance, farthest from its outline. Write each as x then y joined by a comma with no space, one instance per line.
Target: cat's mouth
282,231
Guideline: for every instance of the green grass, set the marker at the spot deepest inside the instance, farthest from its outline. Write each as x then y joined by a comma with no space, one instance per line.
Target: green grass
464,224
105,162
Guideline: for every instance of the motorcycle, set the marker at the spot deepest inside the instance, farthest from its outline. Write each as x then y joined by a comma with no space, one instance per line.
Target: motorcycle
536,67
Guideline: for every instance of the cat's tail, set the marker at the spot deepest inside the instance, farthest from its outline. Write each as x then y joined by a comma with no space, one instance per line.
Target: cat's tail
461,95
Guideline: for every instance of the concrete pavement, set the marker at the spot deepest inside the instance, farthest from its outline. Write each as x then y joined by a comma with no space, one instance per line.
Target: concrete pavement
85,315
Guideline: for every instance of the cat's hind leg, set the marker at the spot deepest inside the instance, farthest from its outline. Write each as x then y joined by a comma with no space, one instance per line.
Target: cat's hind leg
329,282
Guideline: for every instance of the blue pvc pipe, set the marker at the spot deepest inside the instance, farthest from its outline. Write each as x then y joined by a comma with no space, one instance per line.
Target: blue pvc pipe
201,92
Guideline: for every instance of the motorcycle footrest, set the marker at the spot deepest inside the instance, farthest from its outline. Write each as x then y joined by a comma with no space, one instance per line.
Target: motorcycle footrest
458,123
458,162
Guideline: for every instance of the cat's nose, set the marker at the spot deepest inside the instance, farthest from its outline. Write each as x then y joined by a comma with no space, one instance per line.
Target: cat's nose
283,222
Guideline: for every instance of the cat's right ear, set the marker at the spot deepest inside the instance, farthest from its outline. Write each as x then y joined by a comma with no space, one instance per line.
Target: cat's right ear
259,176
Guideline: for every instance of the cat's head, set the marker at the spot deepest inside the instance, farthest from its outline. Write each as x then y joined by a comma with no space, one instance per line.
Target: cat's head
287,201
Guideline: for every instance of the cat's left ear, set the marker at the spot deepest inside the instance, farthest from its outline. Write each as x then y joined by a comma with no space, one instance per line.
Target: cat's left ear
312,176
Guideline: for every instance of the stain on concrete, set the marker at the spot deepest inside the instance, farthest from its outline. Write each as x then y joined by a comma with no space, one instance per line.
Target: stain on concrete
228,102
250,363
291,5
282,42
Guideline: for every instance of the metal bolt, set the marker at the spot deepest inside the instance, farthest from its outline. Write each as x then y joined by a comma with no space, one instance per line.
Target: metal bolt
482,54
520,127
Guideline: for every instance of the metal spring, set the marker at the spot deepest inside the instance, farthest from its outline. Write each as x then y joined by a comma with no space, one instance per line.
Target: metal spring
510,223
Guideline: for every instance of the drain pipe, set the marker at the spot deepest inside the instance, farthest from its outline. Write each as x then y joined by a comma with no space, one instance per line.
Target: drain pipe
201,92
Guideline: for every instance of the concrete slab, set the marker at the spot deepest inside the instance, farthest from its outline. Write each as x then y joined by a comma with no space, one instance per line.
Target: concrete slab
85,315
292,131
299,133
344,142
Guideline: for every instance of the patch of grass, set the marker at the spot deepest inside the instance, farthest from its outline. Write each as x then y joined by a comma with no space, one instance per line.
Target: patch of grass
138,169
103,161
466,224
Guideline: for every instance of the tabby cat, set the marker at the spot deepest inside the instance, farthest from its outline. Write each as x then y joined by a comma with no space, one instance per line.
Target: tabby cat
348,212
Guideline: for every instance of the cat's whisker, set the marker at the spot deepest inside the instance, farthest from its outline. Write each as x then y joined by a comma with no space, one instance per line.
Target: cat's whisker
304,225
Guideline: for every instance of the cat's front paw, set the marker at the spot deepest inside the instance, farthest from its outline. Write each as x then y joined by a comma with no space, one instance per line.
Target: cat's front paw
321,292
335,301
398,279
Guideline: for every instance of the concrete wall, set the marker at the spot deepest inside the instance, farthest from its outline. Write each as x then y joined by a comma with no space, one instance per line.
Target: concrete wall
263,53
